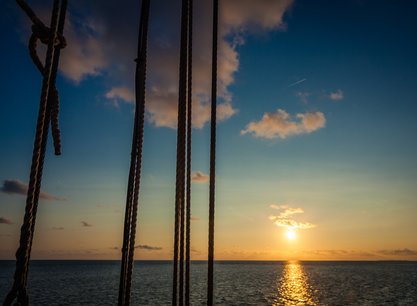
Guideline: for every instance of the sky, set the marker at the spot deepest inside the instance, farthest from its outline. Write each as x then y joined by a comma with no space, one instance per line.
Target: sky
316,150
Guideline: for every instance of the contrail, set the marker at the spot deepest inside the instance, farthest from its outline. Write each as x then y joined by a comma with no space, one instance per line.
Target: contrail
298,82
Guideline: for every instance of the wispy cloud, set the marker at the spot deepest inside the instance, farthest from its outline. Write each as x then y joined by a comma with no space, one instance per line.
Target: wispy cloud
337,95
338,254
4,220
58,228
283,218
303,96
20,188
148,247
297,82
199,177
280,124
86,224
398,252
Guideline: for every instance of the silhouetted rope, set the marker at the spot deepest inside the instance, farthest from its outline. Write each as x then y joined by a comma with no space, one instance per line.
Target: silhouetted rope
212,154
41,32
47,107
181,155
189,149
129,234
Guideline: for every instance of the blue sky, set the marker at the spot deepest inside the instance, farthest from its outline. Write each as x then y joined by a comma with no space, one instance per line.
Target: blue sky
347,67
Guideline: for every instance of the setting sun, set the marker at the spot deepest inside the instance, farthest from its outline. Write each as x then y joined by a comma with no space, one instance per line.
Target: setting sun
290,234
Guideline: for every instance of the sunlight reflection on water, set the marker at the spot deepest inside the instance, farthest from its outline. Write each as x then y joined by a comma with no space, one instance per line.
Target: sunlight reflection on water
293,286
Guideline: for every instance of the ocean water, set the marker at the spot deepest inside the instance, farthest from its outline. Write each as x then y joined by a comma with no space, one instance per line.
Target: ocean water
236,283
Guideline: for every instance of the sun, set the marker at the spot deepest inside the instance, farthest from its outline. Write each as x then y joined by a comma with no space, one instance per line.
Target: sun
290,234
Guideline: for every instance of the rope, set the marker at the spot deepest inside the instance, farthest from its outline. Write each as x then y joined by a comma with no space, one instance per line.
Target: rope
55,42
188,174
129,234
212,153
41,32
180,168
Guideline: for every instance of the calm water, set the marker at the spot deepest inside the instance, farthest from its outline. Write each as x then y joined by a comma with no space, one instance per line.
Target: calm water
237,283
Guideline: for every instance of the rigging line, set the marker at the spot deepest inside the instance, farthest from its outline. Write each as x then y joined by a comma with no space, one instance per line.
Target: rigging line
189,149
212,154
18,290
180,167
129,234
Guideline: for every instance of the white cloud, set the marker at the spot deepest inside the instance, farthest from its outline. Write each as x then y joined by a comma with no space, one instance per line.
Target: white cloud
104,43
336,95
280,124
283,220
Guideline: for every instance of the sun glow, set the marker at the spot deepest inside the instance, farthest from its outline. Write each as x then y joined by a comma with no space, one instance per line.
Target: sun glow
290,234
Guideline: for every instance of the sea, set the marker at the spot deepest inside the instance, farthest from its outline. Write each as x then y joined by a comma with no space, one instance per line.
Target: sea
236,282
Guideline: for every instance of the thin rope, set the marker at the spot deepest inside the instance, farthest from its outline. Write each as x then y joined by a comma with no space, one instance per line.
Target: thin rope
181,131
48,94
132,198
189,149
212,154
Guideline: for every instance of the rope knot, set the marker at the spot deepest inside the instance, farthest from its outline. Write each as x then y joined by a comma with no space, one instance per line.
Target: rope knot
43,33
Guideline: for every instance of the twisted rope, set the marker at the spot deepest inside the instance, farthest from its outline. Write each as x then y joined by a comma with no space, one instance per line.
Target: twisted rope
42,33
48,94
188,174
132,197
212,153
180,168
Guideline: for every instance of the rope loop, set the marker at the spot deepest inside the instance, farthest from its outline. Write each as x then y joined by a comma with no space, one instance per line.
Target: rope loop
48,114
42,33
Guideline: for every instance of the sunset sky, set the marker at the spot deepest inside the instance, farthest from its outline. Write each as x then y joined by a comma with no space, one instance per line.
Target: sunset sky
317,131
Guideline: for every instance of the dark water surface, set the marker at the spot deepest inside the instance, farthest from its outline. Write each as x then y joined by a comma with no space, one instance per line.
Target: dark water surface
236,283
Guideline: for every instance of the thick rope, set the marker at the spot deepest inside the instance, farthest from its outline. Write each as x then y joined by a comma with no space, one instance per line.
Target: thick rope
181,131
188,174
41,32
212,153
49,71
129,234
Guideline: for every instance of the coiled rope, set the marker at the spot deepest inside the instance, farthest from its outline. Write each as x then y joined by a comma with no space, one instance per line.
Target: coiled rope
48,112
212,154
132,197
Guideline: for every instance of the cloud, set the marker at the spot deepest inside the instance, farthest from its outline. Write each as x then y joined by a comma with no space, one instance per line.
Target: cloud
148,247
5,221
85,53
243,15
121,93
280,124
86,224
346,254
283,220
59,228
199,177
399,252
102,42
337,95
18,187
303,96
